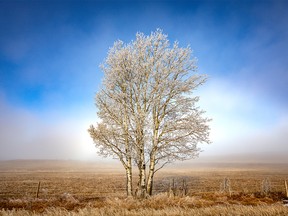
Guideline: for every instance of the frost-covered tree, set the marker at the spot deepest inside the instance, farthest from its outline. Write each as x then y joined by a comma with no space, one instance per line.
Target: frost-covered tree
147,107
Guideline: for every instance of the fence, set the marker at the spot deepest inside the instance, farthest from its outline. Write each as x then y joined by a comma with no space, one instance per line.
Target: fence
110,186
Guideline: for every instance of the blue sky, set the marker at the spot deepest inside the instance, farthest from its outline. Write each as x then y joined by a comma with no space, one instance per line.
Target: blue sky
50,53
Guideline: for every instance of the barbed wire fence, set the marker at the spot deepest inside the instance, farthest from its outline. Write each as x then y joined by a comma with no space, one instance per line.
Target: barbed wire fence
177,186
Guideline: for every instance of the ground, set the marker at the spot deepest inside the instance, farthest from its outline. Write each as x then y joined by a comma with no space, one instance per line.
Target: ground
85,188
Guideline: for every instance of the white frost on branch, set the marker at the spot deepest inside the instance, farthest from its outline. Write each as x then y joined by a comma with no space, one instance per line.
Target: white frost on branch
147,107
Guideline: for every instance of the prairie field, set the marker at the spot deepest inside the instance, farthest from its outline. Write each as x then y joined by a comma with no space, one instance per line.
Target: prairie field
94,188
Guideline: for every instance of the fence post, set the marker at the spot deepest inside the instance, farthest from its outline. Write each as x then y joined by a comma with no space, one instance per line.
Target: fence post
38,188
185,187
286,188
174,187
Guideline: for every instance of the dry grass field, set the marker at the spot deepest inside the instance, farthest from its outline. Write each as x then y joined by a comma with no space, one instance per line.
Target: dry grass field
91,188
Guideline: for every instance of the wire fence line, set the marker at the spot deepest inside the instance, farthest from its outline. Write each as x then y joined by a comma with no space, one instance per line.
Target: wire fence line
116,187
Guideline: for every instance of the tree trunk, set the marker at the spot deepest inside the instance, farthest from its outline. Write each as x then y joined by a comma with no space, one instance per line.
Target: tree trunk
128,168
151,175
150,184
129,188
142,175
141,160
153,154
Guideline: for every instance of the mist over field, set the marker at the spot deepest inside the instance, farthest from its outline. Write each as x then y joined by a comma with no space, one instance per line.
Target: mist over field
50,54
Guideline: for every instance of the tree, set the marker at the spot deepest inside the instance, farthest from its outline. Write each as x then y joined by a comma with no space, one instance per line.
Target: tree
147,108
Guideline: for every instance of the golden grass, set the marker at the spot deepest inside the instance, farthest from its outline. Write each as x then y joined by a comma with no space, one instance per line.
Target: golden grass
94,189
235,210
160,204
